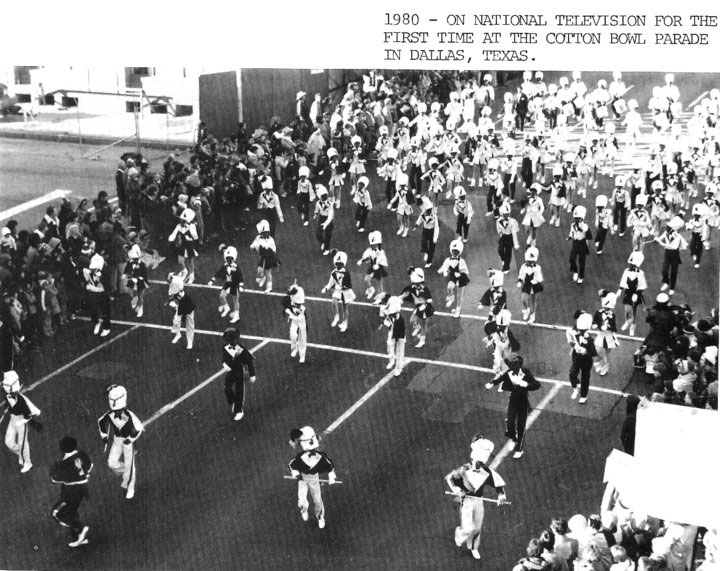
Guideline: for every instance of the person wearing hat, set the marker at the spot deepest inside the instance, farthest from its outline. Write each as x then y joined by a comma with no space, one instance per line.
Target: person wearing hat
507,229
72,473
494,183
363,203
295,311
494,298
435,179
463,210
415,162
402,204
22,413
698,227
264,246
455,269
558,190
604,323
468,483
579,236
186,234
640,222
325,213
621,201
120,427
430,224
136,279
340,283
533,209
184,308
582,355
418,294
236,357
302,114
519,381
673,242
377,262
231,275
268,204
97,278
603,222
306,467
454,171
530,281
632,286
502,341
305,194
394,322
659,209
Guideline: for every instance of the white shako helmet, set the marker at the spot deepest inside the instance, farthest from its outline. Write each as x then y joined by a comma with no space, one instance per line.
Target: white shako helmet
417,276
230,252
456,245
117,397
584,322
11,382
375,238
480,449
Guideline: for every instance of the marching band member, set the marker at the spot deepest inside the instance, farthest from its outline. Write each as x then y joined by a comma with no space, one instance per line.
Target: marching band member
337,176
673,242
136,275
639,220
455,269
325,213
415,161
603,222
530,280
494,298
621,202
469,482
232,285
306,467
22,413
558,193
617,91
419,294
72,473
186,234
121,428
428,219
435,179
184,308
305,194
507,229
464,212
632,123
236,357
342,292
264,245
294,309
502,341
583,352
698,232
97,284
402,204
361,197
377,264
357,162
579,235
519,381
606,338
389,172
269,204
454,173
674,189
395,324
632,286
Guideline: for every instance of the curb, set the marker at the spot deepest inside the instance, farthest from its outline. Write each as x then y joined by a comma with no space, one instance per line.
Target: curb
55,137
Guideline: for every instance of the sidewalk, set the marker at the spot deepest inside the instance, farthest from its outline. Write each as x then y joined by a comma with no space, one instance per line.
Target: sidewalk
73,126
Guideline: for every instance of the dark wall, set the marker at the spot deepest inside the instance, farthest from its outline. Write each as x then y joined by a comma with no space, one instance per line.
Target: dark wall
268,92
219,103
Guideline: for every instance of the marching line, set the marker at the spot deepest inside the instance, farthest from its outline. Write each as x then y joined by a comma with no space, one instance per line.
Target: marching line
375,354
168,407
344,416
10,212
407,309
509,445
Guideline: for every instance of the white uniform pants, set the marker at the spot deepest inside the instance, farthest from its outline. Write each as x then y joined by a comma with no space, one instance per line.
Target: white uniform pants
298,336
127,468
396,352
189,327
16,438
472,513
310,483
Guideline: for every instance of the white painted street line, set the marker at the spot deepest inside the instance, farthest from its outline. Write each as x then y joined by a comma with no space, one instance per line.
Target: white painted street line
15,210
407,309
696,100
530,421
344,416
375,354
168,407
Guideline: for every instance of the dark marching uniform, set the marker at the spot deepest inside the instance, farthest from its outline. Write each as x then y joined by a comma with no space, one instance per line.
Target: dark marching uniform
235,358
519,384
582,354
579,235
72,473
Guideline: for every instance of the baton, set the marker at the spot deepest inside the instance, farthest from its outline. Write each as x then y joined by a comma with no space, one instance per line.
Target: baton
483,499
321,481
